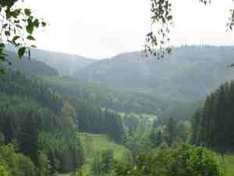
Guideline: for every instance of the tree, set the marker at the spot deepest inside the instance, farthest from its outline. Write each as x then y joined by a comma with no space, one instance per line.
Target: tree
15,163
196,120
43,165
156,137
40,124
68,114
102,163
213,124
170,131
28,136
3,170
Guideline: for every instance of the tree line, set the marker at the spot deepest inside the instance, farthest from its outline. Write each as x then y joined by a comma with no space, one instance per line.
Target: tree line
213,123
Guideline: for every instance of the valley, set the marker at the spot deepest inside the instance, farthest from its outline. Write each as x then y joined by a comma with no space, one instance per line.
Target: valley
93,117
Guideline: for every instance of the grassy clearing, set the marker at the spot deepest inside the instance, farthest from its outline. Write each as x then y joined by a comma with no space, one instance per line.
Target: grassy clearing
228,165
93,144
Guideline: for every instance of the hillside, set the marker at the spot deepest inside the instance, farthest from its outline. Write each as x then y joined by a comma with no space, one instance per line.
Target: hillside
65,64
121,100
189,73
41,119
29,66
173,86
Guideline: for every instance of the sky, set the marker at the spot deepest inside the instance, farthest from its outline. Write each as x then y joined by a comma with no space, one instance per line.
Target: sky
103,28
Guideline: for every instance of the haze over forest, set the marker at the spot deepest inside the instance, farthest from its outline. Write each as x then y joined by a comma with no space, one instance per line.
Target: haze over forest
116,88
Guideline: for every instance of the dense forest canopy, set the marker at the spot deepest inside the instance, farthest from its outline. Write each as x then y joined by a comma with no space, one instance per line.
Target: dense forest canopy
38,119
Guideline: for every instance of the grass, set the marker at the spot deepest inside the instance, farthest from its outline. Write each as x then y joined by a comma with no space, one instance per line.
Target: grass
228,165
93,144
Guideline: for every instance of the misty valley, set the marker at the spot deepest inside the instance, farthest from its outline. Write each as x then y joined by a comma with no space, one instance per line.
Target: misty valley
128,115
117,88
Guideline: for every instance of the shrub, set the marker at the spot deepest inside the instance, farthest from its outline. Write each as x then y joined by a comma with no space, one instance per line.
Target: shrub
182,160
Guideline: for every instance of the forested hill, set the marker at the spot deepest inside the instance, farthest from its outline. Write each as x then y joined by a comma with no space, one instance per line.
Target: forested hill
144,84
44,123
65,64
189,73
29,66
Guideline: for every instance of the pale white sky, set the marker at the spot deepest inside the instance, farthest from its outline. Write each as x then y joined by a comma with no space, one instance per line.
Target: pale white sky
103,28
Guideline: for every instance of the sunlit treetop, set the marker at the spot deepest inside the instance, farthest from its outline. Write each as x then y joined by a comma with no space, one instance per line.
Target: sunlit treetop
17,26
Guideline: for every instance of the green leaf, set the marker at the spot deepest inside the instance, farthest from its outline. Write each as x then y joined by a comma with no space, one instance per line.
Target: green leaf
15,13
30,37
7,3
2,45
15,38
169,18
36,23
17,21
21,52
43,24
2,71
18,26
27,12
30,28
5,25
7,33
2,58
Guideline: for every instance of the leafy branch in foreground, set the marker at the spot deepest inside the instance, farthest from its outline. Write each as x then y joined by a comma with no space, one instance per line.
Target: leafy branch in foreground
158,39
17,26
162,19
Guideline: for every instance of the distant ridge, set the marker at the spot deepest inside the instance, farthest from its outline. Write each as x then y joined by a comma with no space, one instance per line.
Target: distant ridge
189,73
65,64
29,66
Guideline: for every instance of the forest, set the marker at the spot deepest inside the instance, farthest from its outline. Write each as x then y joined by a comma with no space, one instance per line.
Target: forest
52,125
43,126
164,111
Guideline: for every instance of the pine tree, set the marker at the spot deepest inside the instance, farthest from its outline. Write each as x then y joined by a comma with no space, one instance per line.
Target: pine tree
170,131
